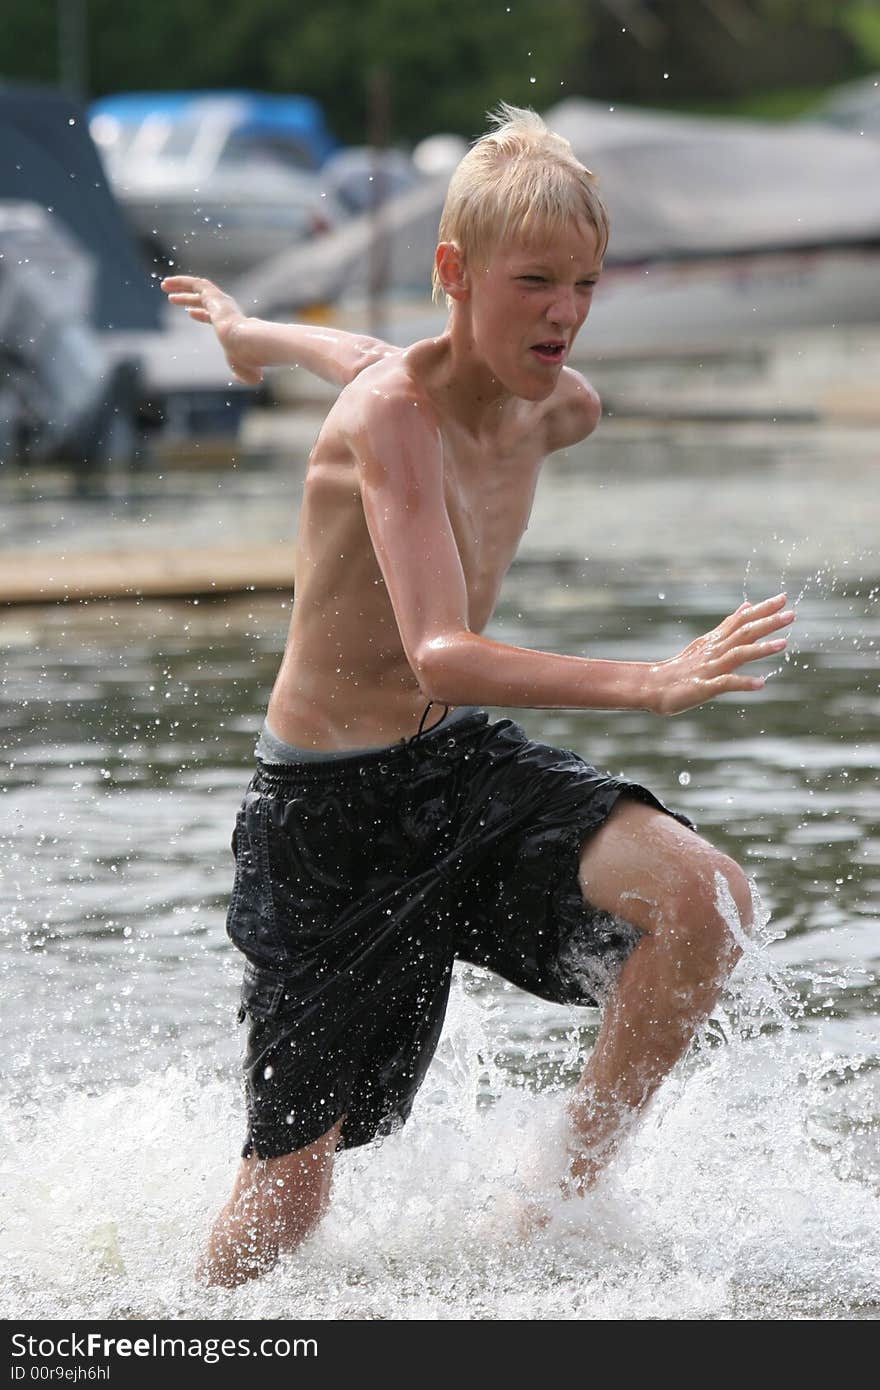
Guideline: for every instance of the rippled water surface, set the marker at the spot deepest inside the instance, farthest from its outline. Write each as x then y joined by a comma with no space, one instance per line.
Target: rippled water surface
751,1189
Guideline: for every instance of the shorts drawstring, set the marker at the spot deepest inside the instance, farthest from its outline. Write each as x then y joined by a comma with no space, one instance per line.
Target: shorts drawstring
417,736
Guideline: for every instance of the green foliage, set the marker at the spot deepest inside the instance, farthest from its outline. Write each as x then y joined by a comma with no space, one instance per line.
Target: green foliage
29,52
861,21
446,63
784,105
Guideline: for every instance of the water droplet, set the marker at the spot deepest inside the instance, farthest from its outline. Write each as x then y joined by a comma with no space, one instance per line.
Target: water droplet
684,779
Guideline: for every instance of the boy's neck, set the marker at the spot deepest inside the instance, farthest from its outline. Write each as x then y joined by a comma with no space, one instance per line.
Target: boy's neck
463,381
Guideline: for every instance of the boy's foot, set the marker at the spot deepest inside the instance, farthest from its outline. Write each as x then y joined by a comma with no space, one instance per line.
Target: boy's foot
533,1212
532,1216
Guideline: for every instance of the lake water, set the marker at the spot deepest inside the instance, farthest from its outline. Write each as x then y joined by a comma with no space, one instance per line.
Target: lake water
752,1188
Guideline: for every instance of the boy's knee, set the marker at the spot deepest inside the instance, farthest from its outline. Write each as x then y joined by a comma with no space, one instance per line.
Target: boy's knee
710,911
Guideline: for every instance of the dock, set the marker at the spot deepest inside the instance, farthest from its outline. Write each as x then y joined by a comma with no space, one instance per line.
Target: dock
29,577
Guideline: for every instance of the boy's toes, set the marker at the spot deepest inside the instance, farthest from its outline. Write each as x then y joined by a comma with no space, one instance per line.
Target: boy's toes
531,1218
516,1219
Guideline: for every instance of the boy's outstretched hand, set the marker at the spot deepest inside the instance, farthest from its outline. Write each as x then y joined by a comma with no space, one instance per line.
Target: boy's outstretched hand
709,665
205,303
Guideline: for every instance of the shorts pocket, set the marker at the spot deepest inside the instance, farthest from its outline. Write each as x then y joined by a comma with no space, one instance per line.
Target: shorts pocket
261,992
250,920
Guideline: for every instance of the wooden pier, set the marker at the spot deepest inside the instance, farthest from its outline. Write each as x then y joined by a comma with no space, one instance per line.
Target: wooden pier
31,577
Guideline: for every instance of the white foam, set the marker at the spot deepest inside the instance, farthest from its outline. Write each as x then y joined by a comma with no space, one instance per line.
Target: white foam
744,1193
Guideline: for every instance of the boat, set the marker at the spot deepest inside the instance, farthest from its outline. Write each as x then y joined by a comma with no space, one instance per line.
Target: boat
852,106
722,231
95,361
214,182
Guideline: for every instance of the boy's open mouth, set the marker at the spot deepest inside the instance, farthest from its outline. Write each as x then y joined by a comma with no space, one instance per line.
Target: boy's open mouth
549,352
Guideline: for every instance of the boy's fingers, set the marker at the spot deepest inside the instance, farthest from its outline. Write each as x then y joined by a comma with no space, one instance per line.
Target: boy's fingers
750,612
760,627
731,618
754,651
767,605
187,284
722,685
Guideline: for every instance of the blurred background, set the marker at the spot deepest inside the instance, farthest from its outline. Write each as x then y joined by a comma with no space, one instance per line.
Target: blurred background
148,509
302,160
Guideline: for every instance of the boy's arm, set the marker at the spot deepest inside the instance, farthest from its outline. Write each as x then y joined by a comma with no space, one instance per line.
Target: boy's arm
251,344
399,452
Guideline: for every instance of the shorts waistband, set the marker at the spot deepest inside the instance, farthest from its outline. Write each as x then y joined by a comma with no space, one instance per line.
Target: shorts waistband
280,761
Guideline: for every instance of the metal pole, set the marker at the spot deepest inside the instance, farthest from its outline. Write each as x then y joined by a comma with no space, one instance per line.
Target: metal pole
379,122
73,47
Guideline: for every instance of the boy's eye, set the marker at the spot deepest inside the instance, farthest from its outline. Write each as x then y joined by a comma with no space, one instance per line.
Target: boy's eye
542,280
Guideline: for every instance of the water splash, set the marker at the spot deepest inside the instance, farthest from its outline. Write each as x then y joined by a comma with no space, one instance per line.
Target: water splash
759,992
743,1193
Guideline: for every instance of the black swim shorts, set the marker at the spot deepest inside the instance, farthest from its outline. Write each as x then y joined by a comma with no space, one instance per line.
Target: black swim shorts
360,879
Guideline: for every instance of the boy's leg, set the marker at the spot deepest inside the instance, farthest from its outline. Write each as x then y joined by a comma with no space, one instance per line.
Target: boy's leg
275,1204
650,870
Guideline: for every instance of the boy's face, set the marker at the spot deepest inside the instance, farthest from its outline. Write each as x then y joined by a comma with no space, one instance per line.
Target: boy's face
528,303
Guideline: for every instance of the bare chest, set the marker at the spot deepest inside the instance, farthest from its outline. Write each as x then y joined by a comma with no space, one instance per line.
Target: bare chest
488,501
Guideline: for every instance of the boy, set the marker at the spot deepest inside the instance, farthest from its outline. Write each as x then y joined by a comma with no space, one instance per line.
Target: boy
373,848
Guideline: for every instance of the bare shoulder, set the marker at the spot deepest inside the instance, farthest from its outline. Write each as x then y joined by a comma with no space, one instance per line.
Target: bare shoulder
368,352
574,412
386,411
388,376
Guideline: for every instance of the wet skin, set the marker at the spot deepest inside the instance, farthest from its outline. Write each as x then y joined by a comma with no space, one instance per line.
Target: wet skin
417,493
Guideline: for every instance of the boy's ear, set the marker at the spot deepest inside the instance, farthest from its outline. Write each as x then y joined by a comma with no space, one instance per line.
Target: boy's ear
451,270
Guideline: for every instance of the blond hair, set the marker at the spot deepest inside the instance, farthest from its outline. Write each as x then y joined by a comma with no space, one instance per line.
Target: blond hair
518,179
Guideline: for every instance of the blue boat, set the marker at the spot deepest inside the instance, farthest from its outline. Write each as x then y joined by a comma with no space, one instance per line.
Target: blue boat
293,127
216,182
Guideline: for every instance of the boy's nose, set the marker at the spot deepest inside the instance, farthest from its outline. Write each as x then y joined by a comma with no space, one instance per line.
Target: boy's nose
564,311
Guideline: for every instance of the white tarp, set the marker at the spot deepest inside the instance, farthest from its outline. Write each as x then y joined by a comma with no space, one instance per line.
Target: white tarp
677,188
682,186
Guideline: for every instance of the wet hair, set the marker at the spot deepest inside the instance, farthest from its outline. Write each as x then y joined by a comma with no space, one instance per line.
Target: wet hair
518,180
